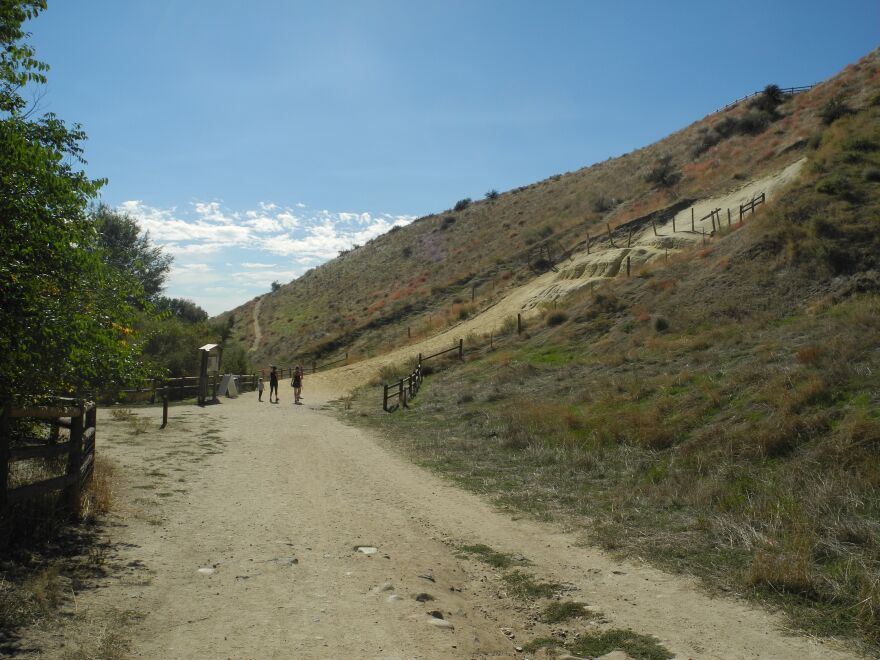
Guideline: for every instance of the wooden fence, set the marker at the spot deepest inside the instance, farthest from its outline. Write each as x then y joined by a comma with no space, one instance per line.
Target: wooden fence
791,91
183,387
79,419
406,388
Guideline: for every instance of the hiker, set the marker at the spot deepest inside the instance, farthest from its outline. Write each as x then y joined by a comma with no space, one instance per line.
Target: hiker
297,382
260,388
273,384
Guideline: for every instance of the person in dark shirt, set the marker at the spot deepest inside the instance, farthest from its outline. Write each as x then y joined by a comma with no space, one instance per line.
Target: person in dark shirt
273,384
297,382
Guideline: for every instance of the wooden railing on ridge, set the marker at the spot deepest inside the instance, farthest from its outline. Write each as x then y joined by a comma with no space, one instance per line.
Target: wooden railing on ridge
785,90
80,418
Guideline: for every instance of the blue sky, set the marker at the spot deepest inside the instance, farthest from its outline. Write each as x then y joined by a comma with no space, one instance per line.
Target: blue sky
257,139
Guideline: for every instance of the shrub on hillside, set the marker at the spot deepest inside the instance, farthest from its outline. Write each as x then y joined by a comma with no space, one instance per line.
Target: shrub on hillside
834,110
557,317
664,173
462,204
492,194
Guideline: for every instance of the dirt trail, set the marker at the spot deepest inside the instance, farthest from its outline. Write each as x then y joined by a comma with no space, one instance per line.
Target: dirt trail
258,334
237,538
603,262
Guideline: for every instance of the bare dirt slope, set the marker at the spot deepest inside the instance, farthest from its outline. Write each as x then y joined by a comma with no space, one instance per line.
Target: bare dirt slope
597,265
236,537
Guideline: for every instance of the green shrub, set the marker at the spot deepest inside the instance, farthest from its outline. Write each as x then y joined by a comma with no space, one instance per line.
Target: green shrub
834,110
556,318
492,194
462,204
871,174
663,174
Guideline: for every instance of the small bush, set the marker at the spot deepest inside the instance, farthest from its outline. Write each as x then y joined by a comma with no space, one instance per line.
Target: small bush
556,318
563,611
871,174
602,203
835,109
276,285
769,99
663,174
448,221
634,644
462,204
492,194
661,324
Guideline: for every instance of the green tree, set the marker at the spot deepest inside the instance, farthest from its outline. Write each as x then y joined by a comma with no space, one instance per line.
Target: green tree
181,309
129,250
65,316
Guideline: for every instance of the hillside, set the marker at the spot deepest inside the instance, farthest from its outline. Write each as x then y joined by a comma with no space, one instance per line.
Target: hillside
417,280
717,414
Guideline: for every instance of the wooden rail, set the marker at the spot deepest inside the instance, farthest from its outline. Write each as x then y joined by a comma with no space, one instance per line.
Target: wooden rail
749,207
81,420
791,91
406,388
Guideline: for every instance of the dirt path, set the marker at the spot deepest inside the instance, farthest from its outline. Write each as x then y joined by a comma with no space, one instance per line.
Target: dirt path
258,334
600,264
237,532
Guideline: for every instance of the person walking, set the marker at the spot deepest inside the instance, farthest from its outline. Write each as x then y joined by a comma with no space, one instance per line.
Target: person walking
297,382
260,388
273,384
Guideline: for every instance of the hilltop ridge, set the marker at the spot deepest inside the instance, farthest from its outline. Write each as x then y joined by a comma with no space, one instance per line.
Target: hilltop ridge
416,280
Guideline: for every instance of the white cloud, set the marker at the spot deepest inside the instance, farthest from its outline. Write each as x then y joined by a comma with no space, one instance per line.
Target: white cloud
304,237
210,211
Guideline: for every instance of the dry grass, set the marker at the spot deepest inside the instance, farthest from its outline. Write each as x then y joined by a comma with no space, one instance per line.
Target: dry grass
98,496
741,443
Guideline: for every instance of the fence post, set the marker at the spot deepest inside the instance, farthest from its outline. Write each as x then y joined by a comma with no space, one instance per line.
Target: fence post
401,395
740,214
4,455
408,336
314,366
610,237
74,462
473,292
461,349
491,340
692,220
518,323
92,423
385,398
627,266
588,242
654,225
164,411
728,217
420,359
673,223
629,238
704,235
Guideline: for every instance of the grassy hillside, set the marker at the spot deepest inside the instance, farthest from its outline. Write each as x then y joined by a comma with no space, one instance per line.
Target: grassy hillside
718,415
421,276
